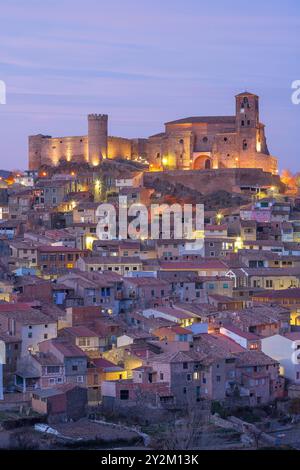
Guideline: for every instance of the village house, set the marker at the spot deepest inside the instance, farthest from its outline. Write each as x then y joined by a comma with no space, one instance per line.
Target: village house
220,247
39,371
174,333
119,265
51,192
245,339
177,315
72,357
60,403
22,254
265,278
12,346
10,229
85,212
285,350
83,337
202,267
94,289
19,204
290,298
30,288
262,320
58,257
145,292
28,324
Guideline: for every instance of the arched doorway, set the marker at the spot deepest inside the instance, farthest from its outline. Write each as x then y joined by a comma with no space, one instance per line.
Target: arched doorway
203,162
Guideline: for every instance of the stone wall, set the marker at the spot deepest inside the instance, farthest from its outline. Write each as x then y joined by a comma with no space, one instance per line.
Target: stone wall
119,147
209,181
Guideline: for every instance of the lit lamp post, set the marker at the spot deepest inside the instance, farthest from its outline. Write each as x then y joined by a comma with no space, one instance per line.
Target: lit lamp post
219,217
164,162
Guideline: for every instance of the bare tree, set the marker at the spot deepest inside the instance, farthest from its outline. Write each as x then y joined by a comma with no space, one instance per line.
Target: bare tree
185,433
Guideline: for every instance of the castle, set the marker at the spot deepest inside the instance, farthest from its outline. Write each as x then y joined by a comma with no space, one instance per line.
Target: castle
210,142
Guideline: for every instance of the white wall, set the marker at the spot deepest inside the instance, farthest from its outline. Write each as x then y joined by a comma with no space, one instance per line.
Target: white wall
285,352
235,337
38,332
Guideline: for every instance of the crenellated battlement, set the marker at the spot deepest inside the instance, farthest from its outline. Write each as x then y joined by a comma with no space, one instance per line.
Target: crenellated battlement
98,117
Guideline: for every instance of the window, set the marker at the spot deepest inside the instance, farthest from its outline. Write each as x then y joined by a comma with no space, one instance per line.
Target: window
188,377
74,367
161,376
52,369
185,365
29,335
124,394
80,379
218,378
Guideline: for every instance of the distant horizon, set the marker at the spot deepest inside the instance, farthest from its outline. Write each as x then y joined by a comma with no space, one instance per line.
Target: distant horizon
143,65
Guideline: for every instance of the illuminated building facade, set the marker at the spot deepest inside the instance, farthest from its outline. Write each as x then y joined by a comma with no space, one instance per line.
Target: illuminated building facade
199,143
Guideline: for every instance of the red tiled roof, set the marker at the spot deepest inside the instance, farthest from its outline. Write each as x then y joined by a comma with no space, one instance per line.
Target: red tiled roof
51,248
194,264
80,331
293,336
239,332
68,349
102,363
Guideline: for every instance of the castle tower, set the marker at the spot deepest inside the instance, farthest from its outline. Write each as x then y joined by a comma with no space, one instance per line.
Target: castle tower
35,143
97,138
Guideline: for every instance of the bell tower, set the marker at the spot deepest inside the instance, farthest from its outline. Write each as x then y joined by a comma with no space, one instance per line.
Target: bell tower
247,111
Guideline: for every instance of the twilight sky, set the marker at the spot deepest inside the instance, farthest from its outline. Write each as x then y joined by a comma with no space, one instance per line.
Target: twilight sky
145,62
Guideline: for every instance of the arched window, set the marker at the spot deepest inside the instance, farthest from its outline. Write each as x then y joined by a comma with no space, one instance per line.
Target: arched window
158,155
181,141
245,145
205,139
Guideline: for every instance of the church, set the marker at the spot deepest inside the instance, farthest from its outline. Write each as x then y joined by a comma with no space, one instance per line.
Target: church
192,143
